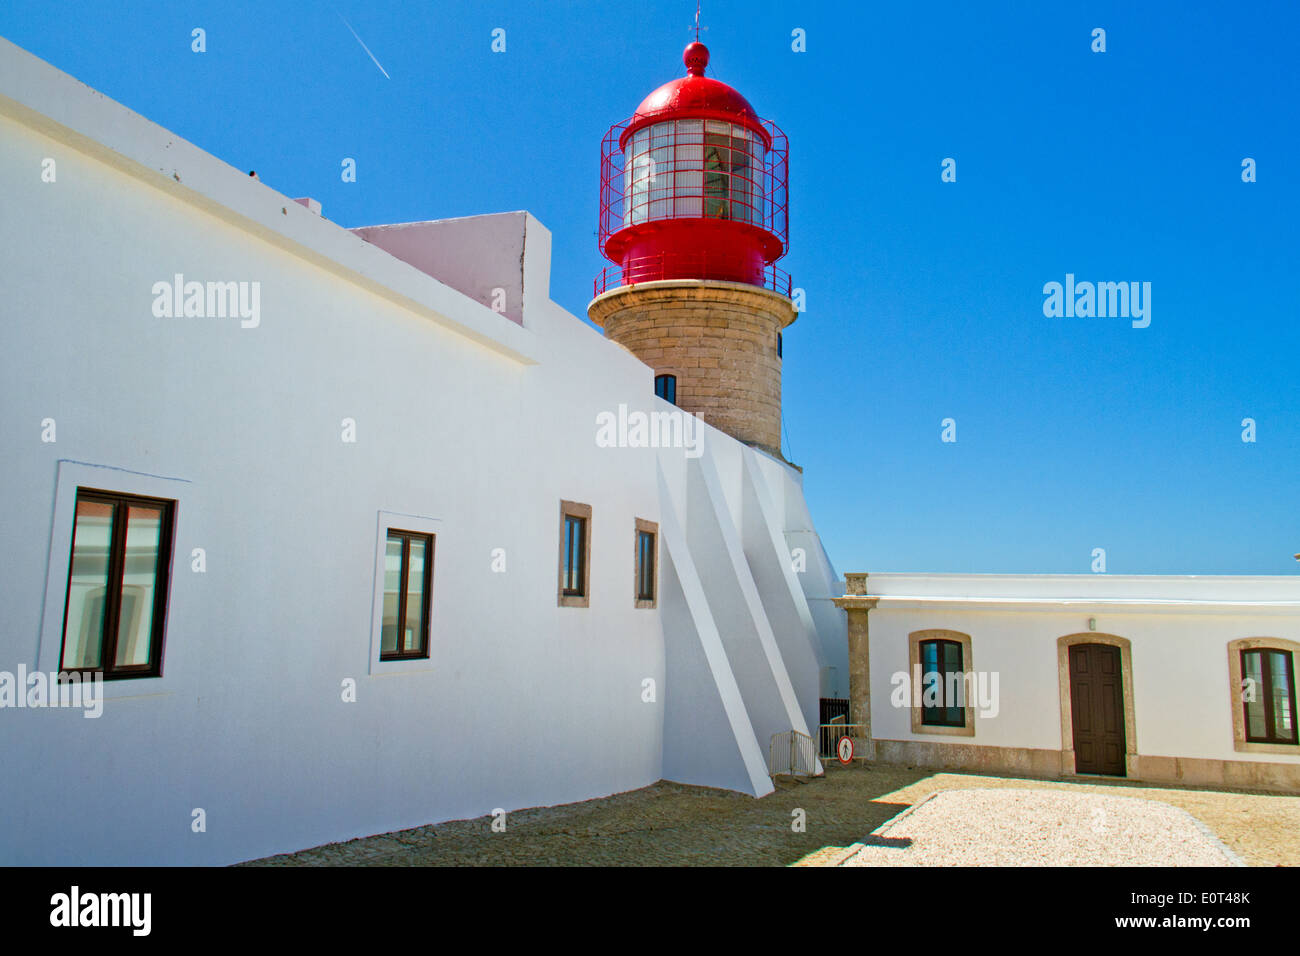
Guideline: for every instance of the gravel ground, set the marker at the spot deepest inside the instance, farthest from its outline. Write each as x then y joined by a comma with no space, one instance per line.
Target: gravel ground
670,824
1018,827
1261,828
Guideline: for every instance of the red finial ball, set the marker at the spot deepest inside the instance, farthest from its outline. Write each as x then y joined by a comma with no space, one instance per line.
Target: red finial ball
696,58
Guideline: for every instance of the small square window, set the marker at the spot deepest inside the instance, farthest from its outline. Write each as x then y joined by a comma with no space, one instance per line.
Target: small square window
575,554
408,586
646,564
116,605
666,388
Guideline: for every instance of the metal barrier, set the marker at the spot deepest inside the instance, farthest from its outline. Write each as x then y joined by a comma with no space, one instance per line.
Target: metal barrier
833,710
831,733
792,753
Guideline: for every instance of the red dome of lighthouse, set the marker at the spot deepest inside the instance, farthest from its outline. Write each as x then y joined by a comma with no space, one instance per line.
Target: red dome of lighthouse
695,95
693,186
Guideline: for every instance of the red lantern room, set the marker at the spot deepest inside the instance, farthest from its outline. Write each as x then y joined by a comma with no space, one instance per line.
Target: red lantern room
693,186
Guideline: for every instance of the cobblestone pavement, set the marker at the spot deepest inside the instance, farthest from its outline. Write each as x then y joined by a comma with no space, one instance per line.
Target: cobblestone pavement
671,824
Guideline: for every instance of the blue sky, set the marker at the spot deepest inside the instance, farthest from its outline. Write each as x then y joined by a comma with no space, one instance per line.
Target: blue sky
924,298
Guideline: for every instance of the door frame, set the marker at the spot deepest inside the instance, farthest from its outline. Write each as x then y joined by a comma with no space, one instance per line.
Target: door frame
1063,645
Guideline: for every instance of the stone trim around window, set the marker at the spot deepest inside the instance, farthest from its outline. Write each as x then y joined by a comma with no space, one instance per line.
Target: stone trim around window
577,510
914,641
1063,645
1239,741
652,528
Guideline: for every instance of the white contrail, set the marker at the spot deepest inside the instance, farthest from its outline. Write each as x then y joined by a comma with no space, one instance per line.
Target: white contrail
364,47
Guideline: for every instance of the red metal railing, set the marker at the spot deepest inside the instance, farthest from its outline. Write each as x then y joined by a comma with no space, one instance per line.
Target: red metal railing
668,265
722,182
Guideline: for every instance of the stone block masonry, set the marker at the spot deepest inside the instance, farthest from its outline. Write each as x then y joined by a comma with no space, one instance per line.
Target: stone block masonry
718,338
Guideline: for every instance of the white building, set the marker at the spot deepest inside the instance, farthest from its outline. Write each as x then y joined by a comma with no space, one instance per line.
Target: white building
356,395
1158,678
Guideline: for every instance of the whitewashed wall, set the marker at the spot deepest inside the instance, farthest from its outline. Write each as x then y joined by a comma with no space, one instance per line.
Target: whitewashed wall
476,424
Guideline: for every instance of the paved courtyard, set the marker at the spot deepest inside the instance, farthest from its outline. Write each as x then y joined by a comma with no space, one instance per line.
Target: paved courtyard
1020,826
670,824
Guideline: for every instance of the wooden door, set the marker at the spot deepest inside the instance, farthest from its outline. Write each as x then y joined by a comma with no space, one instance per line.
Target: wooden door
1097,708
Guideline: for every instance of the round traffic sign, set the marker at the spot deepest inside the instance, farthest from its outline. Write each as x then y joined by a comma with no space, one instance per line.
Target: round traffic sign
846,749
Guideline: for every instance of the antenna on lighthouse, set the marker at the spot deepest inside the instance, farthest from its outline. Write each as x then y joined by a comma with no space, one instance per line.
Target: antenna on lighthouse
697,28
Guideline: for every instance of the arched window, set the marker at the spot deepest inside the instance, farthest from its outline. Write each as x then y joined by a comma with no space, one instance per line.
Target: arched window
666,388
945,691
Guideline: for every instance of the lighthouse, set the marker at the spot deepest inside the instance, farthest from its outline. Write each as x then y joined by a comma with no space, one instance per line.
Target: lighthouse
694,216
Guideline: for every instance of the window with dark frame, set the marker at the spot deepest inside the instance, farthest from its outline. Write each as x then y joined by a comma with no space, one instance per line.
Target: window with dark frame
645,565
115,610
778,345
942,658
666,388
575,536
408,587
1268,677
575,554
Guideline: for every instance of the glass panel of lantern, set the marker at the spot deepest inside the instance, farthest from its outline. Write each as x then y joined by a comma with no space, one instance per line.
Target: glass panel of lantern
690,167
717,169
690,131
661,171
639,196
636,182
651,177
742,176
